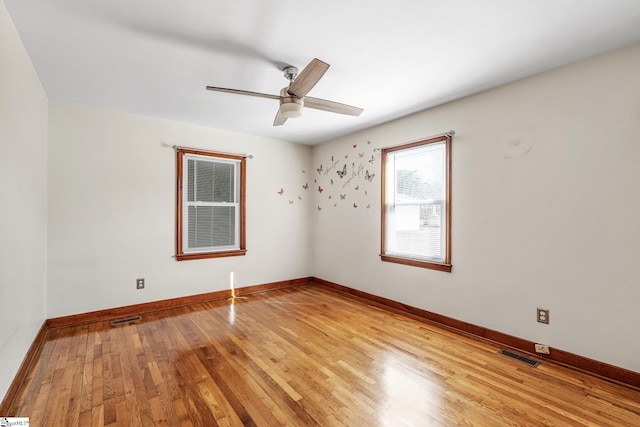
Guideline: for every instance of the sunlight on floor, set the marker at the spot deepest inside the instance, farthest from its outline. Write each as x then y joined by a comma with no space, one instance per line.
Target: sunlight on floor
410,397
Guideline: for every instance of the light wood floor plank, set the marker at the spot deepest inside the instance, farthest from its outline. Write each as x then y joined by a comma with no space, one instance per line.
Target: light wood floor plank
301,356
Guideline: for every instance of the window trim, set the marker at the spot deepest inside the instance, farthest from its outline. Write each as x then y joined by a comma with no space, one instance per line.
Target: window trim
180,255
406,260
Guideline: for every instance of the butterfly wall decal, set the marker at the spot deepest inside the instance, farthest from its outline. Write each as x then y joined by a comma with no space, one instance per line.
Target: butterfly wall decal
342,196
306,186
320,169
320,189
361,154
343,172
319,208
355,145
290,202
369,176
373,159
281,192
355,206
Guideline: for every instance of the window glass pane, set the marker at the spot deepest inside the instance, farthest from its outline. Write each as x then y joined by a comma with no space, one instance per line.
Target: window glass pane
191,186
223,226
418,231
211,226
209,181
223,175
419,174
204,181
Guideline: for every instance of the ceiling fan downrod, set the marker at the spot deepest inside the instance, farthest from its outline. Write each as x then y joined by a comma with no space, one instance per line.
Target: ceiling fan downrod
290,73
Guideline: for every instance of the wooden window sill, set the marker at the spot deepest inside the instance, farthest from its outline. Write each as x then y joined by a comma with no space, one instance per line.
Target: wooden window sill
415,262
186,257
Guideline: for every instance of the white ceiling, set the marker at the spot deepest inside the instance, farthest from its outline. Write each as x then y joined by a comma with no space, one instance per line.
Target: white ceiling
392,58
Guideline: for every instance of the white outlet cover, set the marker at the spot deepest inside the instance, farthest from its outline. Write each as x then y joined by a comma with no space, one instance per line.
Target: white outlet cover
542,348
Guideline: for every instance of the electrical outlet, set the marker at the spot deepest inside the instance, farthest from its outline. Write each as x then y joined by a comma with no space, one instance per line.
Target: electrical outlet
543,315
139,283
542,348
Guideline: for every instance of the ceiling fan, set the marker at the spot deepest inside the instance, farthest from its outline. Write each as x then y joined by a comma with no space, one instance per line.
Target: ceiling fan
293,97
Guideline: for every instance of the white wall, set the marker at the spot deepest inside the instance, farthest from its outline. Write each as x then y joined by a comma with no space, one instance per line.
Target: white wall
556,228
112,211
23,201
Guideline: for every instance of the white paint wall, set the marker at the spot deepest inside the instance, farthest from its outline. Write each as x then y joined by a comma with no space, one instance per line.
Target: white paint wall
112,211
557,228
23,201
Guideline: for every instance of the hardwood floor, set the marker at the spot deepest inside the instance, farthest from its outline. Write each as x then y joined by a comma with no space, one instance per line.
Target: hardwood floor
300,356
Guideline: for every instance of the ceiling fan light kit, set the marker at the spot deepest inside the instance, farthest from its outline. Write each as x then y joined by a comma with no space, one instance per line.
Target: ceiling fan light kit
291,110
290,106
292,98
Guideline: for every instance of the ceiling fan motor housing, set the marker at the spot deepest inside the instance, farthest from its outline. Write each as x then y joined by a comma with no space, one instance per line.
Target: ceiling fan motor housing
290,73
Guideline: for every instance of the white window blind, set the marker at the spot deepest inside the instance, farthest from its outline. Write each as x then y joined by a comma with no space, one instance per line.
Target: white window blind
416,202
211,204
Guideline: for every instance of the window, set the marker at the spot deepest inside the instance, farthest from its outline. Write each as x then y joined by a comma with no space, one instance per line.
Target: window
416,204
210,205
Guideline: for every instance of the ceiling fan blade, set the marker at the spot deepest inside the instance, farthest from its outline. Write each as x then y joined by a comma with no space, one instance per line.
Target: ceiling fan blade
280,119
243,92
334,107
308,78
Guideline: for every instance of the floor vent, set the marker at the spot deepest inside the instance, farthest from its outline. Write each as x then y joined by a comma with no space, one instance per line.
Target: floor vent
523,359
127,320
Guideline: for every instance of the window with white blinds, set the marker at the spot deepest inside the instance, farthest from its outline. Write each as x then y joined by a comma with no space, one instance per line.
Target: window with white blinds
210,205
416,204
